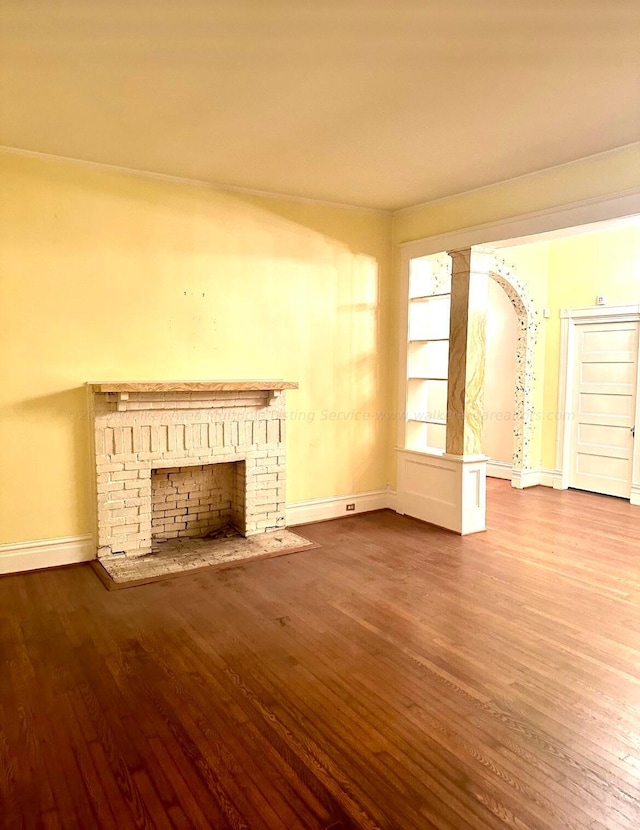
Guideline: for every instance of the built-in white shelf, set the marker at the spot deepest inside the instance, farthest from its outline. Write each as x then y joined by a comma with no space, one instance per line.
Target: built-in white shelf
427,355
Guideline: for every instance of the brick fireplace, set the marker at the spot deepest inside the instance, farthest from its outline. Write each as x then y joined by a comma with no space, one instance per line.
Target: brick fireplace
180,460
195,502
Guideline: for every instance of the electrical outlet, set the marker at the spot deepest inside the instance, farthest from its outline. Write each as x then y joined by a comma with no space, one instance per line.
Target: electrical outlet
601,299
351,507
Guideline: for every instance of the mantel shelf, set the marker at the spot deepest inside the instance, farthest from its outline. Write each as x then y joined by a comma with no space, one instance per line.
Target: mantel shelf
192,386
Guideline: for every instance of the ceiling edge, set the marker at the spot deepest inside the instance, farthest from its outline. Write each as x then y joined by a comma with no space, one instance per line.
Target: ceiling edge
570,215
502,182
165,177
222,188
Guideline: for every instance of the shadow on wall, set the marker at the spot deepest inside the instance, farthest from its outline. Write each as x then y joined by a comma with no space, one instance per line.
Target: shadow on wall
112,276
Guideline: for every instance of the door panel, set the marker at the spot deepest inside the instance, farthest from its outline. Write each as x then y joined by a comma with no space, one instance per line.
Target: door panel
610,338
614,407
594,465
607,374
604,405
604,437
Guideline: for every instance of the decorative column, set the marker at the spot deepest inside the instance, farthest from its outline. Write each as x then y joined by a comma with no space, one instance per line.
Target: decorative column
467,350
465,390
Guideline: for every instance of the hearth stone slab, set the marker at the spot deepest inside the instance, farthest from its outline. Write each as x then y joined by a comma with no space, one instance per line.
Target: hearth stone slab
184,555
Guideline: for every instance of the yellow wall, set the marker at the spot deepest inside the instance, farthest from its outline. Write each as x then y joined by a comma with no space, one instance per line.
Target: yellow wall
580,268
564,273
105,275
590,179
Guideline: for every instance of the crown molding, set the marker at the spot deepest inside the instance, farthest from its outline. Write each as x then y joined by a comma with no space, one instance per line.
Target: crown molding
181,180
568,215
534,174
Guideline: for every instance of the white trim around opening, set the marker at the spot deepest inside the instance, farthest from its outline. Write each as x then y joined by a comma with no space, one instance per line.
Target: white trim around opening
571,318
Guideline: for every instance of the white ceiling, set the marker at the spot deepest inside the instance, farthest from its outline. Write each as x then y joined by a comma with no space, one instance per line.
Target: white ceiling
379,104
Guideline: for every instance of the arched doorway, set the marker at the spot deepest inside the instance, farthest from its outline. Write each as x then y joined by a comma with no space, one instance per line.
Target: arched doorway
527,329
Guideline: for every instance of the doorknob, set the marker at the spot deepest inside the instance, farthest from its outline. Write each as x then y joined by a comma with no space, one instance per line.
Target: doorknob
633,432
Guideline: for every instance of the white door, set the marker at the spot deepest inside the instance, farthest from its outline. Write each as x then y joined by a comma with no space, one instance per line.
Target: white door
604,407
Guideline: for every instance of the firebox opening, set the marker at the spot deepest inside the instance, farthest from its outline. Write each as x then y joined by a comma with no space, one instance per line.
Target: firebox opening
199,502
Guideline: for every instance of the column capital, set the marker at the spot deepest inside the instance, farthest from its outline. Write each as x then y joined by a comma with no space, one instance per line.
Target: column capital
476,258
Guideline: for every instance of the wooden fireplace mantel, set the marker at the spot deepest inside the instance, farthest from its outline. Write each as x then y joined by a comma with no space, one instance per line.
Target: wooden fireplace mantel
128,395
192,386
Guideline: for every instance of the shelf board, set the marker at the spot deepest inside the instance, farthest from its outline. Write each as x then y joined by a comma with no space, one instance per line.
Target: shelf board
424,297
428,340
425,450
433,421
422,377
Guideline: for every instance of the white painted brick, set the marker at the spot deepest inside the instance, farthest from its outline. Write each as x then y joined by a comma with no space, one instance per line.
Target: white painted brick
273,431
222,427
107,487
114,521
268,508
265,476
136,537
99,441
112,504
147,455
124,475
121,536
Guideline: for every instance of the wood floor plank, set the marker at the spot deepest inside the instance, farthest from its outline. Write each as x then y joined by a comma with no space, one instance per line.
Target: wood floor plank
398,677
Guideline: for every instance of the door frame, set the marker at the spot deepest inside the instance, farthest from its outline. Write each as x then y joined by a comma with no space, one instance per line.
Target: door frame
570,320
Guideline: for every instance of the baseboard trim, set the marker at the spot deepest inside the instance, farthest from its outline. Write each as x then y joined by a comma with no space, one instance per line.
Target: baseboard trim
319,510
521,479
499,469
527,478
46,553
551,478
72,550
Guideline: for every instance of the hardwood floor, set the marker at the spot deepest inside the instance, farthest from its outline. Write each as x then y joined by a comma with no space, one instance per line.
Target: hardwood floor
397,677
